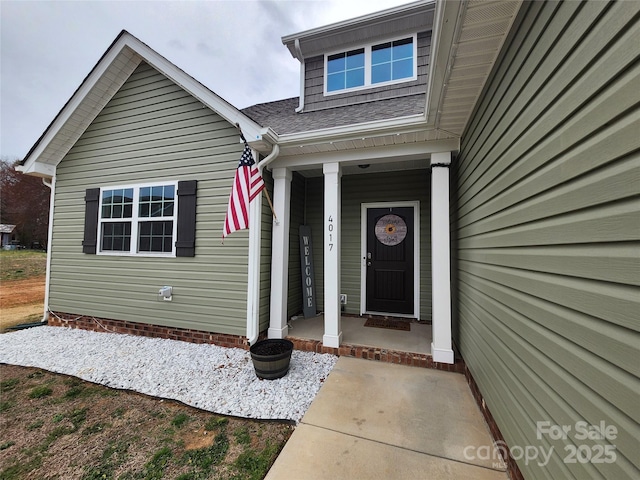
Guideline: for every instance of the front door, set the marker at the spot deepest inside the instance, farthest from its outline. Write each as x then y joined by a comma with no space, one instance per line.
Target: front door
389,260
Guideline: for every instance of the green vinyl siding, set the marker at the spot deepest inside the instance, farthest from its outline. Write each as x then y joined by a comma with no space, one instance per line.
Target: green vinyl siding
401,186
152,131
265,253
546,229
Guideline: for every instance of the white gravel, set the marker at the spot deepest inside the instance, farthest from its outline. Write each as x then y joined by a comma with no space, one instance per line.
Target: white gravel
217,379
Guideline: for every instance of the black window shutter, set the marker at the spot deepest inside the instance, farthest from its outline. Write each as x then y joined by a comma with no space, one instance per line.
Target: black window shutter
91,201
186,240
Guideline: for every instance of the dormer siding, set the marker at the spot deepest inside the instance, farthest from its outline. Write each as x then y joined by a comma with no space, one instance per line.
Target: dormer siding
315,99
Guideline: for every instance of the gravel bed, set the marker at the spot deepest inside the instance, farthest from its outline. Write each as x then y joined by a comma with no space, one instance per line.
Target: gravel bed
217,379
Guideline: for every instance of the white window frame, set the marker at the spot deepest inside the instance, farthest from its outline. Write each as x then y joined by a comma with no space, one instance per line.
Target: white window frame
136,220
367,66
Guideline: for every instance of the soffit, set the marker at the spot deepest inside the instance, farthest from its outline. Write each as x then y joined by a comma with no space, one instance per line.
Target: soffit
483,28
90,106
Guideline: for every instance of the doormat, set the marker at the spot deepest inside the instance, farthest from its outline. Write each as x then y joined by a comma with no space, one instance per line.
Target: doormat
389,323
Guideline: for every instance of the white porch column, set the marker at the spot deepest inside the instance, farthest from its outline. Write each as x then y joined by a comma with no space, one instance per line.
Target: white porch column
332,202
441,349
280,253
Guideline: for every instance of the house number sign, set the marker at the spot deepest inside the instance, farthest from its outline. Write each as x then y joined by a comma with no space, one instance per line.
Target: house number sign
391,230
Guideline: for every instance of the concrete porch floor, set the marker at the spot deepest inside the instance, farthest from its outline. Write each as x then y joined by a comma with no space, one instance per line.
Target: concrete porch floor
418,340
375,420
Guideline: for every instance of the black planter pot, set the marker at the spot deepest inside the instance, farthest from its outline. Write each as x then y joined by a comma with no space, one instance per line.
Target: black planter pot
271,358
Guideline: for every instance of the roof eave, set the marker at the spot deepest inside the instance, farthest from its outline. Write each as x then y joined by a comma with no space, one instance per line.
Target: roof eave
303,43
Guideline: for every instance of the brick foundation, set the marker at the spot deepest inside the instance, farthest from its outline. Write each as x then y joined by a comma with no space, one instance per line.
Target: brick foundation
83,322
512,467
377,354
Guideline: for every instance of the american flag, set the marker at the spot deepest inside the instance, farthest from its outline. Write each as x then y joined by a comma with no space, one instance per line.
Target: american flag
246,185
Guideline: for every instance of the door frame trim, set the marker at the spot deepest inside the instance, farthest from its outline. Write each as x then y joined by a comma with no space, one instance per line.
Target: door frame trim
416,255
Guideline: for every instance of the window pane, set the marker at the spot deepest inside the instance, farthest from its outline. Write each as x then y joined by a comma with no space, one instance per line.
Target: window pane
145,193
156,244
336,63
169,192
403,49
381,53
335,82
145,228
355,59
156,209
144,210
145,243
157,193
355,78
403,69
381,73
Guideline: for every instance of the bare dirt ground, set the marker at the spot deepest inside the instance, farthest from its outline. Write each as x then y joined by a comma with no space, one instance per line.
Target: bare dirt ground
22,281
21,301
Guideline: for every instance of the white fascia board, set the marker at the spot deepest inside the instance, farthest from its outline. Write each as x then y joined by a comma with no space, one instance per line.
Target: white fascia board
407,151
379,127
65,114
38,169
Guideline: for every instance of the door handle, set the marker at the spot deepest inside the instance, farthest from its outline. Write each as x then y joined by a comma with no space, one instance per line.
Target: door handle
368,264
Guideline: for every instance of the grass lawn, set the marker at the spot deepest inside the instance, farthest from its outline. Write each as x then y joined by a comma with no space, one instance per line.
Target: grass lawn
21,264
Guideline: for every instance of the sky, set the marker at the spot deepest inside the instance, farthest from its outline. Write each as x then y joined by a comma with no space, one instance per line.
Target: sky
47,48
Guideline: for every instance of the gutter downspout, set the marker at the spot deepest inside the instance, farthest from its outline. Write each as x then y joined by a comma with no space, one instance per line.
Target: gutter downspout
253,318
300,58
52,186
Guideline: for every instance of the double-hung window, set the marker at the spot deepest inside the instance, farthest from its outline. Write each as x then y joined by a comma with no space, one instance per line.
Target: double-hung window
138,220
371,66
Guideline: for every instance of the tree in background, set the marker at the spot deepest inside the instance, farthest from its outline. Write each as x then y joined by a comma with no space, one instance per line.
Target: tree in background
24,202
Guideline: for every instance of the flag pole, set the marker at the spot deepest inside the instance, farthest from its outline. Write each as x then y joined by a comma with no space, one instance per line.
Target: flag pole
266,190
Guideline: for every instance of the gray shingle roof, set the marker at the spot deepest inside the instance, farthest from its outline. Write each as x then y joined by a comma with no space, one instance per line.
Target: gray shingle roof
283,119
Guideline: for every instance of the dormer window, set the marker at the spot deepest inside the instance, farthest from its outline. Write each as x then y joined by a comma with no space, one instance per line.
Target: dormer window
371,66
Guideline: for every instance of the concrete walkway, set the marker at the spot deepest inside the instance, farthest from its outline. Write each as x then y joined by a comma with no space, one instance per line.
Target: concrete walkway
374,420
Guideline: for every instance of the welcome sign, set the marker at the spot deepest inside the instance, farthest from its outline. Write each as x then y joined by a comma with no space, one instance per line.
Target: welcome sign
306,263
